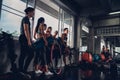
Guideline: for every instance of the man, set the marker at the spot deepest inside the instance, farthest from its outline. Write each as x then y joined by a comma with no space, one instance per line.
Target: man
55,34
26,41
64,46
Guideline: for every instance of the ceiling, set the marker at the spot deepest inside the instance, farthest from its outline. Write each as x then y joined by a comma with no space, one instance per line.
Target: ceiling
99,7
93,7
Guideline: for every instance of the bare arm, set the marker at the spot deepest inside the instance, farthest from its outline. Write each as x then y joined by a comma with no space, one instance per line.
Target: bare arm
42,33
27,33
44,37
62,37
35,34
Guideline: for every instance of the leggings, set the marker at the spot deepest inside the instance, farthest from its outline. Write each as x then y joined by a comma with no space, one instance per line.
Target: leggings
40,56
26,54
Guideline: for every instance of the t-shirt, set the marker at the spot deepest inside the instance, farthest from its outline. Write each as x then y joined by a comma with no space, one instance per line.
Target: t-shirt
25,20
50,40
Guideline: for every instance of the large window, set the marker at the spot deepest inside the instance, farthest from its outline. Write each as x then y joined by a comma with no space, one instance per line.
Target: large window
66,21
15,4
10,22
11,15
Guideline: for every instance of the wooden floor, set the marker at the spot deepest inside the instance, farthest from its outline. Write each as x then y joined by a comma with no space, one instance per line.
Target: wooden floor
69,73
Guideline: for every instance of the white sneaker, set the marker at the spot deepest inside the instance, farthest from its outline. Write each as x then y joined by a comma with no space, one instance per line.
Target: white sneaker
48,73
38,72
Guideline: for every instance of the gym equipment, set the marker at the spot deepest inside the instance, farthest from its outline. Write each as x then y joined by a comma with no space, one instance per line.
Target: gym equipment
96,57
87,57
102,57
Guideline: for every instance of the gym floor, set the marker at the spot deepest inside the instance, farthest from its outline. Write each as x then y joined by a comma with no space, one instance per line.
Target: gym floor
69,73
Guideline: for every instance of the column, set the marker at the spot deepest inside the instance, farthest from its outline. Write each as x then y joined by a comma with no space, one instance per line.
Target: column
91,40
97,46
0,8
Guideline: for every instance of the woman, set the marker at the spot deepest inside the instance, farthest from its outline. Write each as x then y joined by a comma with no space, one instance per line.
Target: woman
40,46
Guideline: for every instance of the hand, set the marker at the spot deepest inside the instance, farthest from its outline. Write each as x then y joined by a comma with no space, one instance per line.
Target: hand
35,37
29,43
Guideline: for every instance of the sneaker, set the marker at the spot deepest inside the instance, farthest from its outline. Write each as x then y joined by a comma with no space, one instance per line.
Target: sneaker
38,72
48,73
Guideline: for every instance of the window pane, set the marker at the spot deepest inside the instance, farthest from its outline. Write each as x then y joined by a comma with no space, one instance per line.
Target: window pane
68,23
10,22
16,4
49,20
5,8
11,15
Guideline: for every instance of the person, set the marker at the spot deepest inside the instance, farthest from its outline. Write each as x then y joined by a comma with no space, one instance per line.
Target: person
40,45
64,40
55,49
103,49
63,43
108,55
55,34
50,41
25,41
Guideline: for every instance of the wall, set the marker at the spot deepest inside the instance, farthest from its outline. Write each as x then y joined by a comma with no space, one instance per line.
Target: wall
107,22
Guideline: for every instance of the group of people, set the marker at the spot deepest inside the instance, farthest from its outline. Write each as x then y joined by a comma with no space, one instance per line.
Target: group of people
43,45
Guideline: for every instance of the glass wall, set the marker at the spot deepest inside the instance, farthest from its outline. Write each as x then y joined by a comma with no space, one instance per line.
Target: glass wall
11,15
66,21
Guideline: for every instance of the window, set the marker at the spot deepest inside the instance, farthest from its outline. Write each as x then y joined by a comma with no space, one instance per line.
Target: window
10,22
49,20
15,4
66,21
12,14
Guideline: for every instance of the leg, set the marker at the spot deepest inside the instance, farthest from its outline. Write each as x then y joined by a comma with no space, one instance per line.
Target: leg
23,50
64,59
36,60
44,58
48,55
22,58
30,55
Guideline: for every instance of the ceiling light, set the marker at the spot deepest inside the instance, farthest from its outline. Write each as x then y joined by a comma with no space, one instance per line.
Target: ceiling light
95,37
118,12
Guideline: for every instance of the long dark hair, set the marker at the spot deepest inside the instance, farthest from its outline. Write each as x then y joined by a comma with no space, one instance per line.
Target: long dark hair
40,20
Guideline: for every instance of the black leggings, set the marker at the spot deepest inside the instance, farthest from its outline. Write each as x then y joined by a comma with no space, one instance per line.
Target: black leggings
40,57
48,54
26,54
